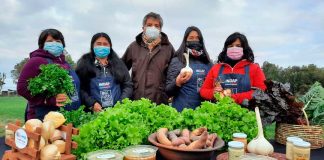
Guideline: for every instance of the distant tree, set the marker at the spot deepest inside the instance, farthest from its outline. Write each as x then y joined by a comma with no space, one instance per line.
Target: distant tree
17,69
2,79
300,78
68,58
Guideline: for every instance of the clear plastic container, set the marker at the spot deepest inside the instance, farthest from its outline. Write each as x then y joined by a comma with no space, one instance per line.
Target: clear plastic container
105,155
235,150
290,146
140,152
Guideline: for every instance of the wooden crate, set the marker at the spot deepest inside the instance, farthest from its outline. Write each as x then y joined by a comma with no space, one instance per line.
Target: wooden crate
34,153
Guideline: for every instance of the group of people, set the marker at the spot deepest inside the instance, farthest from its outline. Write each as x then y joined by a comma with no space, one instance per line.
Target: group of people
101,78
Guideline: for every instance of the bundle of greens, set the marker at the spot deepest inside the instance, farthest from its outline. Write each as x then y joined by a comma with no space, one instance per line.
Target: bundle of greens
278,104
77,117
127,123
51,81
224,118
314,104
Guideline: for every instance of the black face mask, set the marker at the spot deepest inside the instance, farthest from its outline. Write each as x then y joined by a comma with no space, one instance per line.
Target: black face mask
196,45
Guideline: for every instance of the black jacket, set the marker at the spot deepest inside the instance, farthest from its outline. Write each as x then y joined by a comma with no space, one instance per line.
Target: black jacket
87,69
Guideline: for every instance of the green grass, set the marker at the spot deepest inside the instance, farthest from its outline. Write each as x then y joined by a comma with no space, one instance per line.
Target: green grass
11,108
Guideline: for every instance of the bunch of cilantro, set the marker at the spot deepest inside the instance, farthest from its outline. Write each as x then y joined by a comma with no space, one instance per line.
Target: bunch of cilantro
51,81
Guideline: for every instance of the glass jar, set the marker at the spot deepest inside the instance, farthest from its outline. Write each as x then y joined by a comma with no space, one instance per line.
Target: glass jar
290,146
241,137
235,150
301,150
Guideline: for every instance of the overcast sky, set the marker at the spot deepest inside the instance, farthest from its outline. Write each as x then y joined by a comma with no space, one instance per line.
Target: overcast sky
284,32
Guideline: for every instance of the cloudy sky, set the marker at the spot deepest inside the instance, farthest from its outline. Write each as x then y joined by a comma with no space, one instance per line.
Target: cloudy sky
286,33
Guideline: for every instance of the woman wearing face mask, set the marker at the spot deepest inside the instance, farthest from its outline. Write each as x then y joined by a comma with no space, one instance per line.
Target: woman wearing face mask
184,87
235,70
51,46
104,77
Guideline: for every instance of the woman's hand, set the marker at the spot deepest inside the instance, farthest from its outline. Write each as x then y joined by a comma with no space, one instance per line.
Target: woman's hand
60,99
218,88
183,78
97,107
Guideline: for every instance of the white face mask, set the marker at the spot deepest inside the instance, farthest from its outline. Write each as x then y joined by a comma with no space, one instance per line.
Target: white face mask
152,32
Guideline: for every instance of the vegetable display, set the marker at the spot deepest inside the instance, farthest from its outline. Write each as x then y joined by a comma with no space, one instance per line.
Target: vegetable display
131,122
51,81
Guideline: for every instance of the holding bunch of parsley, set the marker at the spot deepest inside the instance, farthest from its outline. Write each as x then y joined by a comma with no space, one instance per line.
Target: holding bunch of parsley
52,80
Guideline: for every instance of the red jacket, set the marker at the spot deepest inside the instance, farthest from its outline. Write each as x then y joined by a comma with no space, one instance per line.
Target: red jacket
257,79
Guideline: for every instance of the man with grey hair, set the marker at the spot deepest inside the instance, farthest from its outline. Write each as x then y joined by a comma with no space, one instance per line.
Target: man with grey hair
149,57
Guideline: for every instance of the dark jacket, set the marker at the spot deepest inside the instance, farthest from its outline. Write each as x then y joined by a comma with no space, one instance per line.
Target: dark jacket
149,68
87,69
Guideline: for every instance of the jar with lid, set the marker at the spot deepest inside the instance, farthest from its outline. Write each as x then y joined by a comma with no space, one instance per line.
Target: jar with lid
235,150
301,150
241,137
290,146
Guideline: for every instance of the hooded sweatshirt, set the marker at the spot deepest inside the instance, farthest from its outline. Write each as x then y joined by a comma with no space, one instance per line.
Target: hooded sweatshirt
31,70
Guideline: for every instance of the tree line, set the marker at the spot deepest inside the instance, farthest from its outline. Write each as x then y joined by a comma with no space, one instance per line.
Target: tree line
301,78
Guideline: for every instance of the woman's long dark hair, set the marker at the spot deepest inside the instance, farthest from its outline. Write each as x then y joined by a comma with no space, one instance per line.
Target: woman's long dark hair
183,47
247,51
117,66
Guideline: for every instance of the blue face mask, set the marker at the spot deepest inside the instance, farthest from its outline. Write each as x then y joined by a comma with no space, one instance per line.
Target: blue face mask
101,51
54,48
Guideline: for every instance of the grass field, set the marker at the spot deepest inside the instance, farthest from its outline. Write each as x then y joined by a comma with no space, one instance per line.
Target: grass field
11,108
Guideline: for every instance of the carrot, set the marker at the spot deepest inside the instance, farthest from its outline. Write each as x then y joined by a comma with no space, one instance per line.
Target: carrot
161,136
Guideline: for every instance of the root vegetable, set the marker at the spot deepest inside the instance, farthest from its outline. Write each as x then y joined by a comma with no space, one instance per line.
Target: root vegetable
56,117
42,143
199,144
187,69
60,144
185,134
174,139
260,145
177,132
211,140
198,131
50,152
161,136
48,129
56,135
32,124
183,146
194,138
